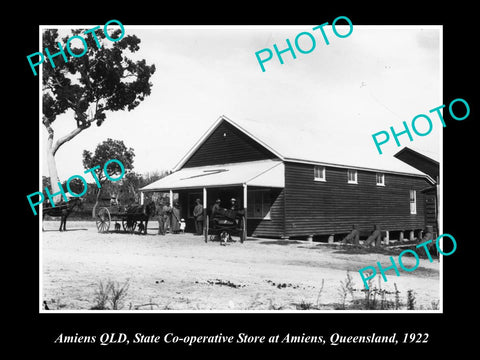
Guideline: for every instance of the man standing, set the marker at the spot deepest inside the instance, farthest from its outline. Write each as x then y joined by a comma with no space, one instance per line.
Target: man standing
198,215
167,215
175,218
160,217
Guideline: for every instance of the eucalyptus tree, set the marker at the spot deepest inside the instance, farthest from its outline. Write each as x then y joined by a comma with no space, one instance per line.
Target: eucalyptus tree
103,80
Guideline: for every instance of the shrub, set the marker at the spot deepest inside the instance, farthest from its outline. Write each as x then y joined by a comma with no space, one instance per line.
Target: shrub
110,293
375,298
410,300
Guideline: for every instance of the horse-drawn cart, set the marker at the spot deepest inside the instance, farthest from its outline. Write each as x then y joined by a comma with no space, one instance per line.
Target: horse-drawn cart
224,223
130,217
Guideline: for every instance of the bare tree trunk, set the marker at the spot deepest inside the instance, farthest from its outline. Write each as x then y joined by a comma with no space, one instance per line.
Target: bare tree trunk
51,151
52,166
94,209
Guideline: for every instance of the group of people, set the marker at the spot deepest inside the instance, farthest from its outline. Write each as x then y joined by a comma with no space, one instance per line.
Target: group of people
169,217
198,212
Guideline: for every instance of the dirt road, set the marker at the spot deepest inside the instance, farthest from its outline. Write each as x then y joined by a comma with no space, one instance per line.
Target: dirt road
182,272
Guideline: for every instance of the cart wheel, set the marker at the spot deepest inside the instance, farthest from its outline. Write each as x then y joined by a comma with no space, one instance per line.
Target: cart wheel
129,225
103,220
243,234
205,228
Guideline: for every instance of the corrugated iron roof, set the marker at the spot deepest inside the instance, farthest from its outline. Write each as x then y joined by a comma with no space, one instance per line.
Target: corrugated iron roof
296,143
269,173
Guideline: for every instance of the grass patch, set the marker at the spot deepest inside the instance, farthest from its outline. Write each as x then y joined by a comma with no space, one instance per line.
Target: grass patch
375,298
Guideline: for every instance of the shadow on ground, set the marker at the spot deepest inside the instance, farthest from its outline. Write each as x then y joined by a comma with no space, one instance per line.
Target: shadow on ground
384,250
68,230
280,242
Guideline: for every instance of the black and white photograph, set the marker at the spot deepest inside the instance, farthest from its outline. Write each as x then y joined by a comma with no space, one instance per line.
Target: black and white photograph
225,182
243,180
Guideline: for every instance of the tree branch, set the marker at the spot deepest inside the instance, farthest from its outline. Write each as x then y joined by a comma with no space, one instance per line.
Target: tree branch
128,75
66,138
48,86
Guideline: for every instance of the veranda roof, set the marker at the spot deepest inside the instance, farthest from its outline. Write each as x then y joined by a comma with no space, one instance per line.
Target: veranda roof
267,173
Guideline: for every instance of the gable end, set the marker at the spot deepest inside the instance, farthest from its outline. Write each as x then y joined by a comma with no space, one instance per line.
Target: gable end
227,144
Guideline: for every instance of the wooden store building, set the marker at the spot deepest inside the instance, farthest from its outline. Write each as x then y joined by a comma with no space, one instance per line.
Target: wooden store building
291,188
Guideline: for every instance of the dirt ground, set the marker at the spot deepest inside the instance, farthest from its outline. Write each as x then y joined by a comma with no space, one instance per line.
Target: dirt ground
182,272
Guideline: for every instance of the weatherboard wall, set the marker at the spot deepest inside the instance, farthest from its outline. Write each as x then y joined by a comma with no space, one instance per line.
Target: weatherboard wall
274,225
333,206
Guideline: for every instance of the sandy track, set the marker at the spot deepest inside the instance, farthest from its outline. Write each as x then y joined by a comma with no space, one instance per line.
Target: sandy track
182,272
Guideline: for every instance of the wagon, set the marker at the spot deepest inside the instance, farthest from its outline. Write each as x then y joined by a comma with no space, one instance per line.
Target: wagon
129,216
224,223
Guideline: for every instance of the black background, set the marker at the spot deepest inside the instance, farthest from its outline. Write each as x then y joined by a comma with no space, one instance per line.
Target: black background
29,330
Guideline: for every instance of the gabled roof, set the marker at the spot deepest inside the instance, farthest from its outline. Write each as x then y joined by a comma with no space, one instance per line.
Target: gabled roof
293,143
212,128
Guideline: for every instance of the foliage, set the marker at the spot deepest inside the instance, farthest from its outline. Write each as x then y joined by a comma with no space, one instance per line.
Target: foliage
104,79
320,293
76,186
371,302
118,294
106,151
45,183
111,293
410,300
398,303
374,298
346,287
101,296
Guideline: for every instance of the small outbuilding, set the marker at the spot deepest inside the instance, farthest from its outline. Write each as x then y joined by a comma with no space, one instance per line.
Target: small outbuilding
431,167
290,187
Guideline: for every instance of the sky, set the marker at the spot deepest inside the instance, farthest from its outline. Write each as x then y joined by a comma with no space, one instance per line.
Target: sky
377,77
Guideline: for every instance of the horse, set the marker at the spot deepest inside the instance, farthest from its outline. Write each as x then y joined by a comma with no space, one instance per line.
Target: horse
141,213
62,209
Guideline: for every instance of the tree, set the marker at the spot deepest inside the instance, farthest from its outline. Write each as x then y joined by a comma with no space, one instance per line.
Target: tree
129,187
103,79
151,176
106,151
76,185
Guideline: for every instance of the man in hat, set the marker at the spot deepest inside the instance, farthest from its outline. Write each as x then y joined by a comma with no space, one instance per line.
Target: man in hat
198,215
160,218
233,213
167,215
233,204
